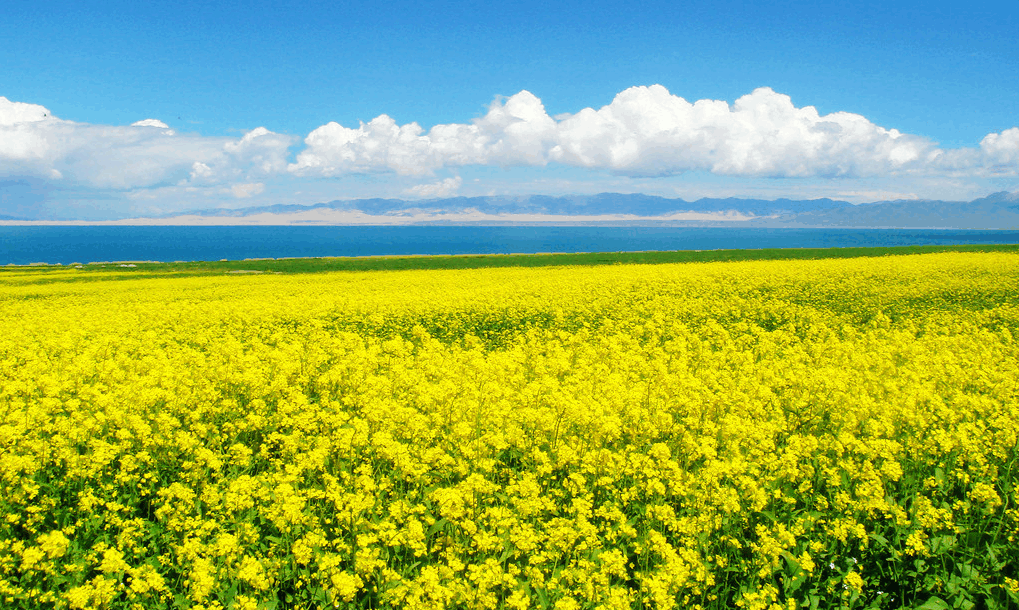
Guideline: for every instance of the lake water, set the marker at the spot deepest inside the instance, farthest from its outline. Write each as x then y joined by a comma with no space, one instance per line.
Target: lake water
66,244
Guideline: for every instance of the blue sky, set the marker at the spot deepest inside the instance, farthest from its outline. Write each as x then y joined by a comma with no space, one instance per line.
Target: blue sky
242,95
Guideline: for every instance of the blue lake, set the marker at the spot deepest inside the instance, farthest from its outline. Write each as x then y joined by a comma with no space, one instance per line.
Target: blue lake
66,244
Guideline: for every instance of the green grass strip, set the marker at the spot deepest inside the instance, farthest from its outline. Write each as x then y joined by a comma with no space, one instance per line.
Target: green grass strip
479,261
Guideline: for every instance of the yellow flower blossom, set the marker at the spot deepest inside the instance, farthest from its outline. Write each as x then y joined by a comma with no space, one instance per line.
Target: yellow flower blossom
758,434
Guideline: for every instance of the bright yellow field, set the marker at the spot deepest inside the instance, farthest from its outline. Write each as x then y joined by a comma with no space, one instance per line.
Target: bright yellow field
779,434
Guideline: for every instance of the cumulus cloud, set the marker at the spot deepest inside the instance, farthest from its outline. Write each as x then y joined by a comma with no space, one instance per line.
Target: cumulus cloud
515,132
12,113
647,131
264,151
1002,149
259,154
643,131
443,188
34,143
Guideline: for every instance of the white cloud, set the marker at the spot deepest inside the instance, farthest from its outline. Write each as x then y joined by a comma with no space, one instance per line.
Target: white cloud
378,146
443,188
517,132
150,123
145,154
262,152
648,131
200,173
259,154
245,190
641,136
12,113
1002,149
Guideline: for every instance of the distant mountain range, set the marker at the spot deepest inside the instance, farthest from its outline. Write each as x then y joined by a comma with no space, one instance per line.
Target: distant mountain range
603,204
996,211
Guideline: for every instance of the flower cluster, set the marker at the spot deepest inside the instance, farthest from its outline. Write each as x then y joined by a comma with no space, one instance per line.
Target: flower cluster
763,435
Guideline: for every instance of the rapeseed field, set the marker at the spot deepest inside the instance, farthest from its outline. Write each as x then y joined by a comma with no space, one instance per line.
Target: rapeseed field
758,435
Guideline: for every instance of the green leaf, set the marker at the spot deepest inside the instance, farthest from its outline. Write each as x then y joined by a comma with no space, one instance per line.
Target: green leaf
968,572
793,585
437,526
995,562
935,603
542,596
942,544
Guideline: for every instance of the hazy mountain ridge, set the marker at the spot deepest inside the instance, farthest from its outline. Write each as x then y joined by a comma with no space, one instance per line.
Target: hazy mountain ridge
577,205
996,211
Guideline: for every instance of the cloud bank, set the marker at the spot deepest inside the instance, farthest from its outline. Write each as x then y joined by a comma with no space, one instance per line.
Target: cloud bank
145,154
647,131
644,132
